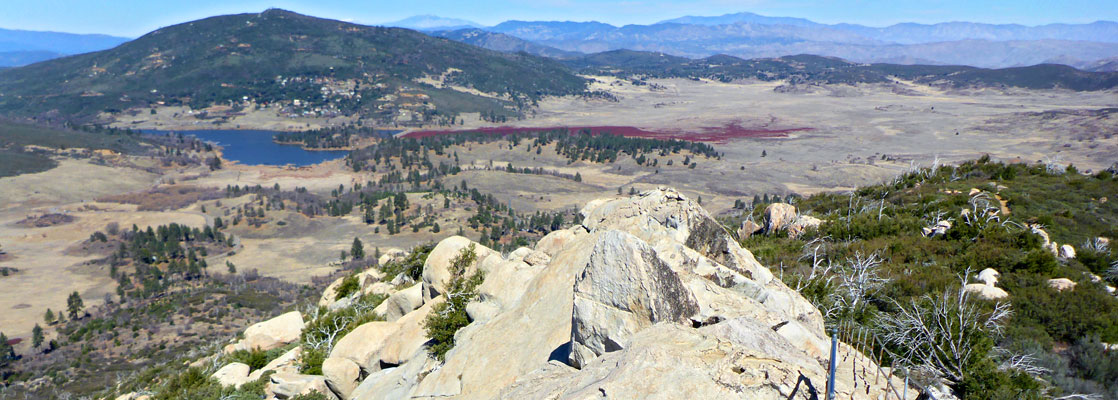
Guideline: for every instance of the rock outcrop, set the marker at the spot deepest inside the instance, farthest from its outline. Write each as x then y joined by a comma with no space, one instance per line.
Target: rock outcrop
342,375
938,229
1046,241
436,271
803,223
624,289
778,216
1061,284
748,228
364,342
1067,251
288,362
401,303
650,297
233,374
271,334
391,254
989,276
987,289
285,385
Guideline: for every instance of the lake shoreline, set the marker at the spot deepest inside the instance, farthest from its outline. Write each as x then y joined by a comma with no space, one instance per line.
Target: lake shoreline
257,147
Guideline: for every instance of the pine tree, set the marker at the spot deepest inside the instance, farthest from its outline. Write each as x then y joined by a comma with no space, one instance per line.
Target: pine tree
7,353
578,177
36,336
74,305
357,252
370,216
48,317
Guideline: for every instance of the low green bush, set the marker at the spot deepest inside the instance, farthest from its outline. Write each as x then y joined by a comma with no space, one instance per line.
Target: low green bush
448,317
349,285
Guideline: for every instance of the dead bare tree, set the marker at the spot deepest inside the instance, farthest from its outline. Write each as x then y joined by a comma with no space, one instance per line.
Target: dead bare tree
1052,164
323,336
1026,363
817,254
858,278
1078,396
1096,245
939,333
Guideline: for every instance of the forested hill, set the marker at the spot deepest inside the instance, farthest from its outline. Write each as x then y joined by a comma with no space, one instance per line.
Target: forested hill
277,56
816,69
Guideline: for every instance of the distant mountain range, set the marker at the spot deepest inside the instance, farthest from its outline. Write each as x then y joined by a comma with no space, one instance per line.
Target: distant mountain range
18,47
749,35
503,43
913,33
302,65
432,22
1092,46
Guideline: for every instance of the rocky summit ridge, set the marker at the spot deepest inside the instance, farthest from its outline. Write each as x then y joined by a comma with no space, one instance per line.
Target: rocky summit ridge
649,297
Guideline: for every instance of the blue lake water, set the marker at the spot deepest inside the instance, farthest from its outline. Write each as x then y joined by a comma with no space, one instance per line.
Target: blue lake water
257,148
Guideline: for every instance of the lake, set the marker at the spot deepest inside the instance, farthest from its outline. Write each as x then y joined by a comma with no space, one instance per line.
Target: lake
252,147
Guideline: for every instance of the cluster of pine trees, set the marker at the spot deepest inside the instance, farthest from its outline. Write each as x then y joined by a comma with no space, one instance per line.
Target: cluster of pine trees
162,255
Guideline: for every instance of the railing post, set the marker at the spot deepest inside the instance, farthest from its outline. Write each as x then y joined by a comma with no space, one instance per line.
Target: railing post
831,370
892,367
880,353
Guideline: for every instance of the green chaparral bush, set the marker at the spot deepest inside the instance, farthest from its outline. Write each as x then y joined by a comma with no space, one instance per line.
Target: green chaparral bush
448,317
349,285
887,220
412,265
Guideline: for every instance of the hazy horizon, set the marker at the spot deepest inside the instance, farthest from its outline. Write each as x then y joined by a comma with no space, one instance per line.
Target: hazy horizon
131,18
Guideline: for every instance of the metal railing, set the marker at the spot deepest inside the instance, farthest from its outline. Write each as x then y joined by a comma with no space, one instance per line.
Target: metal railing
864,344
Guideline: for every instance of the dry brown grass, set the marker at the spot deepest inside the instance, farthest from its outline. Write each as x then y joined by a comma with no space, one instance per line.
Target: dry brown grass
166,198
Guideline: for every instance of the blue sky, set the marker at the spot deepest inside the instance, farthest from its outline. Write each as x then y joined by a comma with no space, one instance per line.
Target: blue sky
135,17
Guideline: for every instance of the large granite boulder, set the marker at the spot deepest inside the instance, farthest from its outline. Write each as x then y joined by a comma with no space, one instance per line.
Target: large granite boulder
624,289
363,342
284,385
271,334
401,302
342,375
232,374
436,270
779,216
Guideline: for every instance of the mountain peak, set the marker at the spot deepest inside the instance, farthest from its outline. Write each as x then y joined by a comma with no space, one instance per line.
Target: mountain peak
433,22
741,17
234,58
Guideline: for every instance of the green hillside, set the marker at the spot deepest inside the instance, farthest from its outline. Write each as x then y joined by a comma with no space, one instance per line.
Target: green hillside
873,240
15,159
280,56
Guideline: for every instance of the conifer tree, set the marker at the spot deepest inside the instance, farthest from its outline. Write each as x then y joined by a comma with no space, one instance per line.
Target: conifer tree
74,305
